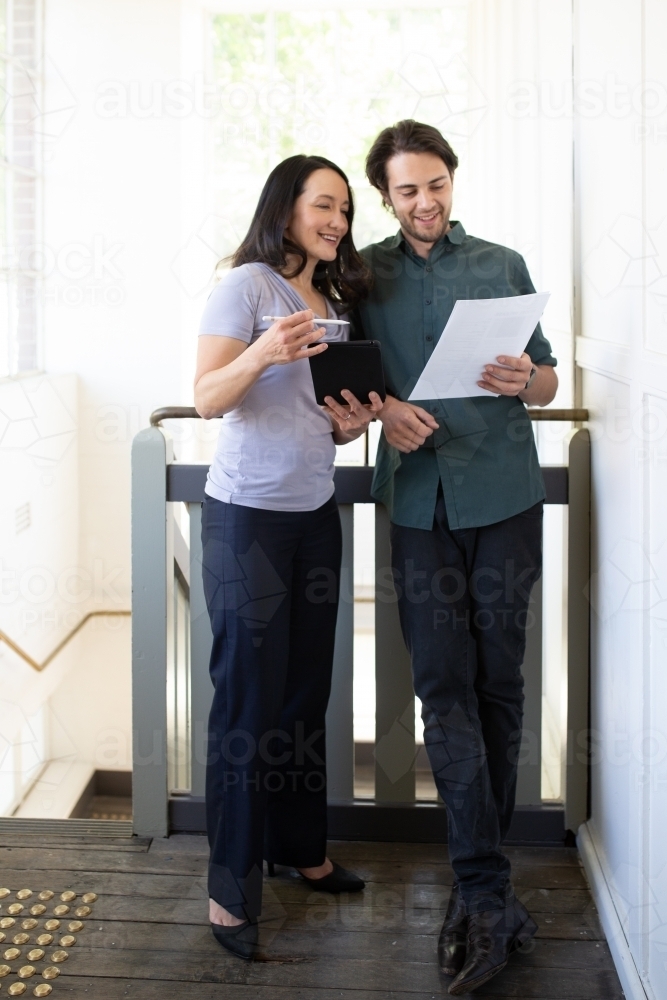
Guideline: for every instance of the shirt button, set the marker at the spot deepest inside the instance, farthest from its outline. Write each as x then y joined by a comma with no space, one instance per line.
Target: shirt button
429,337
429,268
448,248
428,302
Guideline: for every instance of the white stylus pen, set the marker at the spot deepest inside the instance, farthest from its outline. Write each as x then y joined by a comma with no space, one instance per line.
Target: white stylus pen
321,322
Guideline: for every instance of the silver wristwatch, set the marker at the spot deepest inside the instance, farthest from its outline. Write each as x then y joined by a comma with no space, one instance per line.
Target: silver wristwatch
531,378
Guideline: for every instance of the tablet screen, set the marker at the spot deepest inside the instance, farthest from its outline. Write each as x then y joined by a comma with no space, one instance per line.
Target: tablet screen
355,365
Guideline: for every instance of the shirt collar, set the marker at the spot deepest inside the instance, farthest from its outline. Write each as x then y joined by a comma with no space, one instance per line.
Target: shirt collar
456,235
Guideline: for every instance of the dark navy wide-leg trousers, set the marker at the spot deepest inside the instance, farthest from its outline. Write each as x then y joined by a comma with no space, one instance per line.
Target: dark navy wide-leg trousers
271,582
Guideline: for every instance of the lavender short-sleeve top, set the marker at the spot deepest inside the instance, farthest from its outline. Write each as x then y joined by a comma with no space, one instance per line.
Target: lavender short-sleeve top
276,449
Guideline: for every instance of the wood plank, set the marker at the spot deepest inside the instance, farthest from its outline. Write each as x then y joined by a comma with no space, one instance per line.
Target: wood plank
134,845
359,850
411,873
287,890
437,853
377,919
83,988
559,926
565,955
301,937
408,920
88,859
217,966
574,984
555,904
114,883
404,872
569,926
184,843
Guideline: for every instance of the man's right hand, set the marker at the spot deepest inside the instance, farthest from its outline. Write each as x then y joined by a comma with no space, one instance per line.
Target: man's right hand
406,426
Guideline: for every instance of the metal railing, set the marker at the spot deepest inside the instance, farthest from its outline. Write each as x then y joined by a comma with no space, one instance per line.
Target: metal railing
171,641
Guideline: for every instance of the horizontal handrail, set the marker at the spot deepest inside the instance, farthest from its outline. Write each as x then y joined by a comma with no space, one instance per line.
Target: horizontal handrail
172,413
576,415
186,483
61,645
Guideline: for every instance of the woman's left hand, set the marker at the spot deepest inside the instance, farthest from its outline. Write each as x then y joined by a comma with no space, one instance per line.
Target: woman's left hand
354,418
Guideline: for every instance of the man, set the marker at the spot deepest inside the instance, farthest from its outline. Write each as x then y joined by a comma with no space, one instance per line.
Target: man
462,484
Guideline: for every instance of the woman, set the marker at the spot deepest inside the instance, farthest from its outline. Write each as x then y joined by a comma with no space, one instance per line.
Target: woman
271,538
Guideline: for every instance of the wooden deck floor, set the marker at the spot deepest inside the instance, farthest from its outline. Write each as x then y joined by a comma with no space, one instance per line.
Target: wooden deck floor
147,936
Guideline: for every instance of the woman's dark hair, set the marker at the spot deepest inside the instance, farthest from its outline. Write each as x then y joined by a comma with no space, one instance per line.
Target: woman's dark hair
407,136
346,280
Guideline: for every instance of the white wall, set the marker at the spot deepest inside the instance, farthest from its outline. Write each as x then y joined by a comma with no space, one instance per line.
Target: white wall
520,152
115,215
91,708
519,167
112,187
621,159
39,581
112,312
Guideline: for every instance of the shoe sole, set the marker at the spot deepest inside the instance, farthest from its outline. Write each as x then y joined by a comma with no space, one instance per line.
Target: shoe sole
527,930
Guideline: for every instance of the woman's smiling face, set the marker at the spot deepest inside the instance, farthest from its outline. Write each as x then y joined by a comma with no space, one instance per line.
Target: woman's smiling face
319,218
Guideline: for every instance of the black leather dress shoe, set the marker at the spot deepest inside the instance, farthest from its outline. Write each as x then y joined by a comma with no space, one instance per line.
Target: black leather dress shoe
338,880
453,936
241,940
492,936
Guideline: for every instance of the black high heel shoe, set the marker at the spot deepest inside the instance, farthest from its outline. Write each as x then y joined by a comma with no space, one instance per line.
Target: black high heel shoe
241,940
338,880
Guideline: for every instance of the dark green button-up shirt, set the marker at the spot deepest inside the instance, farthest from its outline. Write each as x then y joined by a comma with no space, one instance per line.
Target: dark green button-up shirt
483,452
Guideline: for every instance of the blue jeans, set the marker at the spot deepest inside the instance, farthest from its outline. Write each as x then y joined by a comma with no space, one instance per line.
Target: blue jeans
463,602
271,585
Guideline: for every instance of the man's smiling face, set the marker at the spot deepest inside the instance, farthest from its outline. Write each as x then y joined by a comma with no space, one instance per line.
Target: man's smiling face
420,191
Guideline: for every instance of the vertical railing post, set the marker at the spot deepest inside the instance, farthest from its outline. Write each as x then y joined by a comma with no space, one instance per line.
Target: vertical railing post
152,570
201,689
529,777
578,629
340,713
395,750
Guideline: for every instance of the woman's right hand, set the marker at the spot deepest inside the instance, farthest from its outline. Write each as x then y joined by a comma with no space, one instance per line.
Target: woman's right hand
228,368
289,339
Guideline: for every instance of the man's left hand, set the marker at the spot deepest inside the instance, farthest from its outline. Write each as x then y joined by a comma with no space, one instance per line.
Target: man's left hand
508,380
352,420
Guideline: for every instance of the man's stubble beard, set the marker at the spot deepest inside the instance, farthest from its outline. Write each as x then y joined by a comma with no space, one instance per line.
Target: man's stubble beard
408,228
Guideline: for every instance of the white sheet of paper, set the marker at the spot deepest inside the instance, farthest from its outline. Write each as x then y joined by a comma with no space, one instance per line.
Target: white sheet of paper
477,332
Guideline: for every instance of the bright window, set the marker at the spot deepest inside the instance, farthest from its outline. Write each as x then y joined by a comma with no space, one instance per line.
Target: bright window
326,82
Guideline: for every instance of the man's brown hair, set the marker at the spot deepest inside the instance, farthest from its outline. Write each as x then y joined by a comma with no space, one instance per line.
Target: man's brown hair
407,136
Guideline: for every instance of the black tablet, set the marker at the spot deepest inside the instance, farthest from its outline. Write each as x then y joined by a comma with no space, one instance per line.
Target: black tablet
352,364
